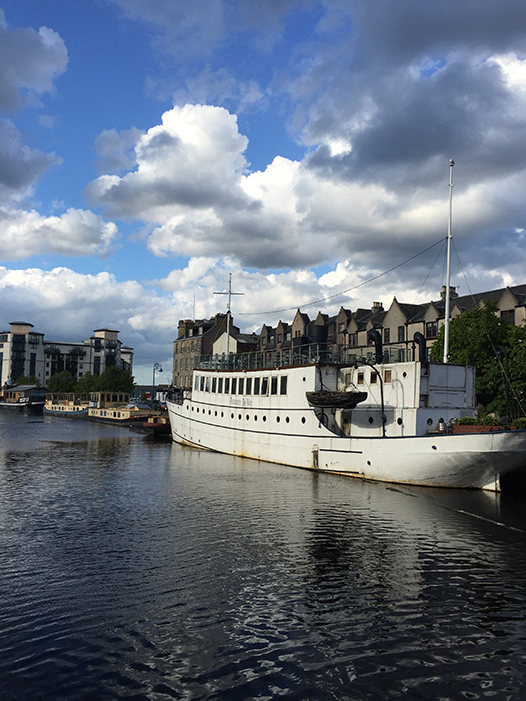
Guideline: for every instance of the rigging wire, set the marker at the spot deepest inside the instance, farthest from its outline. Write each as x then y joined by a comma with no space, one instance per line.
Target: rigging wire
350,289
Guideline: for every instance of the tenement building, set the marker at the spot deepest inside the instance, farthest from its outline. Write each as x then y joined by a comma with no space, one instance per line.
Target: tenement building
347,333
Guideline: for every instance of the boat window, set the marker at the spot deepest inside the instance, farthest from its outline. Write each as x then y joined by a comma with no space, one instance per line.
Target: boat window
387,376
264,385
227,385
374,378
234,383
273,385
214,384
248,388
219,385
256,385
207,384
202,383
360,378
283,385
240,387
196,383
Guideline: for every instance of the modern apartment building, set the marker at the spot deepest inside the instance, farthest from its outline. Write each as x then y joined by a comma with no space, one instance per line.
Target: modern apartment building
26,352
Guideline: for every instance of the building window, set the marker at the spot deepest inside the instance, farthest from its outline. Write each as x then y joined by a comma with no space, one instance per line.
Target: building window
387,335
227,385
431,329
401,333
341,327
280,338
508,315
353,340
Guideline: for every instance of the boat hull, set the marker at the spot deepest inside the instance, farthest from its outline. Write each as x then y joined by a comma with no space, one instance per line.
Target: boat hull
441,460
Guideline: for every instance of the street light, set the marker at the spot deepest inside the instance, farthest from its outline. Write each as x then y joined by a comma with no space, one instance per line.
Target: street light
156,366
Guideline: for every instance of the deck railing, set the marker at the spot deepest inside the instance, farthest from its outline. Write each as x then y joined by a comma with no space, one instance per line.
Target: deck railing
307,354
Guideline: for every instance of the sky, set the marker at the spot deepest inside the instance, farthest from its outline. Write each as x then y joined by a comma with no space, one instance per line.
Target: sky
151,148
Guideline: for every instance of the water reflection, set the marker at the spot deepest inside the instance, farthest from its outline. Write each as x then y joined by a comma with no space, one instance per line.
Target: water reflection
131,569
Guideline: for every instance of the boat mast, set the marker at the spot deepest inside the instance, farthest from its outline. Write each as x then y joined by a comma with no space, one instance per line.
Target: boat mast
228,306
448,273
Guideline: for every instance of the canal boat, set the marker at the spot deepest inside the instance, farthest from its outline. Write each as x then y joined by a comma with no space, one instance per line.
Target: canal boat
68,406
28,399
119,409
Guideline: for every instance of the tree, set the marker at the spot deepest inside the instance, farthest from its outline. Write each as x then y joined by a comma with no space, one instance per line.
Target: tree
63,381
114,379
481,338
25,380
87,383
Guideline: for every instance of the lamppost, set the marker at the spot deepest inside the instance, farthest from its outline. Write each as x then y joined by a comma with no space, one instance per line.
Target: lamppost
156,366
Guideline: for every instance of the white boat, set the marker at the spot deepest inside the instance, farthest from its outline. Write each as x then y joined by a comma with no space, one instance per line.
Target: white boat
391,422
402,432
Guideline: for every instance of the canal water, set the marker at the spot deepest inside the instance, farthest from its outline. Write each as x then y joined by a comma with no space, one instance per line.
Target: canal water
131,569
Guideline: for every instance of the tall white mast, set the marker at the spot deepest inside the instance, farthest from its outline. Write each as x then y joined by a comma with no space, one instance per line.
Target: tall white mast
448,273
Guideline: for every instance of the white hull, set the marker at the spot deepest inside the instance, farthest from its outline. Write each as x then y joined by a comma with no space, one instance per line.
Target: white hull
286,430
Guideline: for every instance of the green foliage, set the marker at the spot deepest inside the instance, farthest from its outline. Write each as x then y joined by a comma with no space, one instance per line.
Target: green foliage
61,382
87,383
113,379
519,423
481,338
25,380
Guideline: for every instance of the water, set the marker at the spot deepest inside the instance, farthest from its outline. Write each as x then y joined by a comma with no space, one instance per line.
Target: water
139,570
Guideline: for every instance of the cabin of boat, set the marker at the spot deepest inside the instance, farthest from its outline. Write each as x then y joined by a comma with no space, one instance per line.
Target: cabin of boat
68,405
118,408
29,399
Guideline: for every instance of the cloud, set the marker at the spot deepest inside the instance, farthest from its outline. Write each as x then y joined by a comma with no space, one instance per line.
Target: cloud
75,233
30,61
20,165
115,151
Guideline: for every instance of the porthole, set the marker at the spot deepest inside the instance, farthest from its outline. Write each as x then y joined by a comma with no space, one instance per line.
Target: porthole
434,447
231,416
247,417
255,417
399,421
429,422
192,408
278,419
404,374
371,420
302,419
222,414
215,413
368,462
264,418
209,412
239,416
287,419
197,410
441,420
